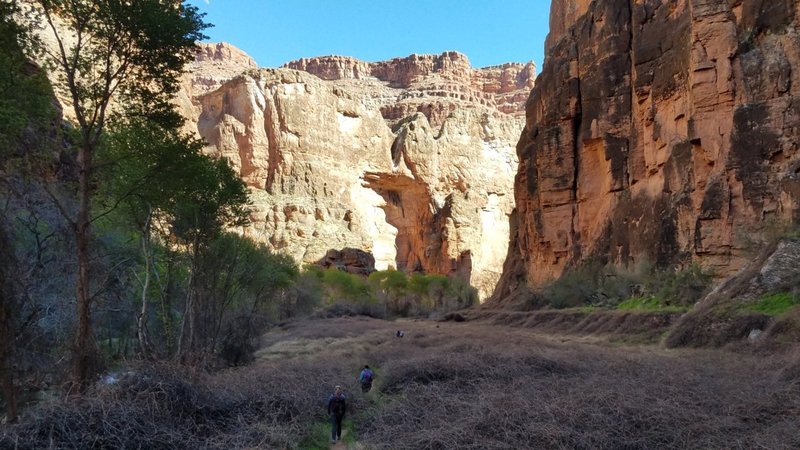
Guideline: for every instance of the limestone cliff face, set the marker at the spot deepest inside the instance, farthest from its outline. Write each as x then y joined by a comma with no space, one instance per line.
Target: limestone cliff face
434,85
659,130
448,196
302,147
214,64
328,171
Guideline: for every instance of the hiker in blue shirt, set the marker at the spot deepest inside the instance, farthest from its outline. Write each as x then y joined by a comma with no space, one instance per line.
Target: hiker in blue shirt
365,378
337,406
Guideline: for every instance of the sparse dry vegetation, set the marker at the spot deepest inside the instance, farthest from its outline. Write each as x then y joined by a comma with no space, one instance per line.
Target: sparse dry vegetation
448,385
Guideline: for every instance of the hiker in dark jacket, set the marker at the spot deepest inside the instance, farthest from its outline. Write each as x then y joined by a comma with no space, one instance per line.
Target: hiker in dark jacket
337,406
365,378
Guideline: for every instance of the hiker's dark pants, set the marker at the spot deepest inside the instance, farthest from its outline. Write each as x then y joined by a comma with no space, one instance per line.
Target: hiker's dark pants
336,426
366,386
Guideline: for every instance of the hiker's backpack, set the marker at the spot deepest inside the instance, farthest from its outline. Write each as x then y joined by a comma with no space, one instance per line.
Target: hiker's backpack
367,376
337,405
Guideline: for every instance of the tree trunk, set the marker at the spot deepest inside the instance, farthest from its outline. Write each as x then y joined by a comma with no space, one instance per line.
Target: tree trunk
166,307
185,342
84,351
7,311
9,393
141,319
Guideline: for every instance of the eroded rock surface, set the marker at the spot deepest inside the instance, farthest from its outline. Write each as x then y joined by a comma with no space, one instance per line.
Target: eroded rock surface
727,314
332,164
302,146
215,64
434,85
660,131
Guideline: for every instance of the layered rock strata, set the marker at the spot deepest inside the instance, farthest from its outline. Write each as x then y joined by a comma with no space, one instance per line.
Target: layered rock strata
215,64
661,131
434,85
326,172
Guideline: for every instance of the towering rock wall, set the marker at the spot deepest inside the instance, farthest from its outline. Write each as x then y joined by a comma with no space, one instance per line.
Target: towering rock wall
329,169
302,146
659,130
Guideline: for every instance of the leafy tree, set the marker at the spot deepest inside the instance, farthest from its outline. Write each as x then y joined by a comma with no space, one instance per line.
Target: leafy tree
25,94
390,286
215,199
240,286
346,286
131,51
144,171
163,185
305,294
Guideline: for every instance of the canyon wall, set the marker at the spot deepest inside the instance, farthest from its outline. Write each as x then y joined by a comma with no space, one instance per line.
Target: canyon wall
659,131
411,160
434,85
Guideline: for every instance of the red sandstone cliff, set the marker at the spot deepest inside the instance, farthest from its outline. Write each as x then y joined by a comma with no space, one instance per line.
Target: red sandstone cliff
658,130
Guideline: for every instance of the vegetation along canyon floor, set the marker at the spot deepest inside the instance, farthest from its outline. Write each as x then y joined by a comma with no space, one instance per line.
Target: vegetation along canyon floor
442,385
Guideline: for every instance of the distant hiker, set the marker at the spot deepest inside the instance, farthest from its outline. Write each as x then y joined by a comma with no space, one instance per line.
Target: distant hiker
337,406
365,378
400,333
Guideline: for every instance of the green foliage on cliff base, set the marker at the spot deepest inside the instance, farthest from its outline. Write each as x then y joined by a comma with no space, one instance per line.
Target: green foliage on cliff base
640,288
386,293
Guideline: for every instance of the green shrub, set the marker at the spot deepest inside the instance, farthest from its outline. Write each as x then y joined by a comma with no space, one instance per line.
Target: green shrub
340,285
681,288
305,295
775,304
590,284
607,286
394,292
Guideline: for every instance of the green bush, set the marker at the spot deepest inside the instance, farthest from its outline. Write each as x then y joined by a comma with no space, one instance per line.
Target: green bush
394,292
590,284
681,288
775,304
344,286
607,286
305,295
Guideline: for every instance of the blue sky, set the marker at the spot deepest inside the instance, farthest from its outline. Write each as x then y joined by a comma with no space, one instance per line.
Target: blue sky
273,32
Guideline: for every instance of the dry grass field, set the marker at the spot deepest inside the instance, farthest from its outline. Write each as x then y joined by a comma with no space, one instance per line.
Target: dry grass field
444,385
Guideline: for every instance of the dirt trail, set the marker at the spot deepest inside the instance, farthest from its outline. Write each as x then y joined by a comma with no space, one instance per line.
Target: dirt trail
341,445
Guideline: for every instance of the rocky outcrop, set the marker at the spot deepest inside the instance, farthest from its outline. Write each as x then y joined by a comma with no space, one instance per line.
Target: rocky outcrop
327,172
663,131
214,64
434,85
351,260
729,314
447,195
